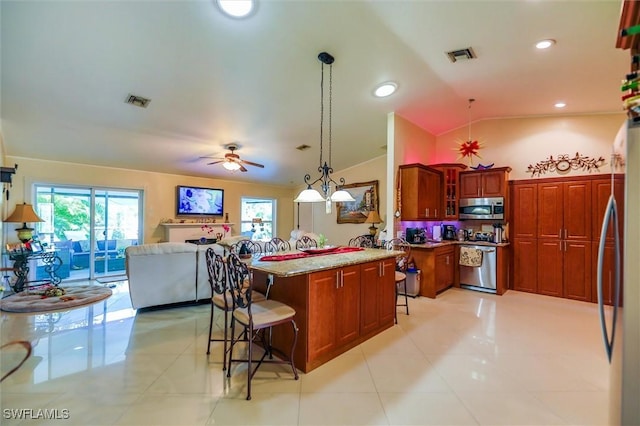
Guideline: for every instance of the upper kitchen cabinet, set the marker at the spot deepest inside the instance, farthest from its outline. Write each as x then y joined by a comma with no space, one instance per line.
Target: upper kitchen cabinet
524,214
564,210
450,190
601,190
484,183
420,192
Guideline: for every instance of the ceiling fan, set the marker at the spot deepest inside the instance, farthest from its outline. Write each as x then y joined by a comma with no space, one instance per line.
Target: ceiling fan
233,162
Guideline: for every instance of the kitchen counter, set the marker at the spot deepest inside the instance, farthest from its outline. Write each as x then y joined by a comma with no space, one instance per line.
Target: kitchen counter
438,262
290,268
435,244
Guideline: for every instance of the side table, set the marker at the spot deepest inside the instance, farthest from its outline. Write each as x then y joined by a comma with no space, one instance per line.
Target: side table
21,259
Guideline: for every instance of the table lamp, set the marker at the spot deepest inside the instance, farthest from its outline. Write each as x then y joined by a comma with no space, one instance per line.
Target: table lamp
373,218
24,213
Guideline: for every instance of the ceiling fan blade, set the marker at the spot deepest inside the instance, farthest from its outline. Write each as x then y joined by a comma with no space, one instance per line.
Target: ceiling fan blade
216,162
251,163
242,168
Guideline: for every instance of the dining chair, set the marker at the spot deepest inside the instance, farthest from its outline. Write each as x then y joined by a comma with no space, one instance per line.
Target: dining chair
361,241
221,298
253,247
306,242
256,318
402,262
276,244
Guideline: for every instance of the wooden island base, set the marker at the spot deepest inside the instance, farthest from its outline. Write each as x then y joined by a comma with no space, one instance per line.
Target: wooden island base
336,309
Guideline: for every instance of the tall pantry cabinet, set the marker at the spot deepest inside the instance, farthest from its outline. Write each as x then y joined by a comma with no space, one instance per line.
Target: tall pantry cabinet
554,238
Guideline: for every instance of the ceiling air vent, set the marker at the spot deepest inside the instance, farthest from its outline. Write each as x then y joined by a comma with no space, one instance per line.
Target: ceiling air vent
460,54
303,147
138,101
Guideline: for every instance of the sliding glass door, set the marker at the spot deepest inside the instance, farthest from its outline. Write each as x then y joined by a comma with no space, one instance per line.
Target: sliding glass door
89,227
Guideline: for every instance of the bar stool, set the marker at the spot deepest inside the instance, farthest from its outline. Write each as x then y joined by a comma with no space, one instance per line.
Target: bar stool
306,242
256,317
402,262
220,298
276,244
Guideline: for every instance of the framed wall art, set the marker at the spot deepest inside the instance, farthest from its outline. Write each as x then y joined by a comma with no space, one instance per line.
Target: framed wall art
366,200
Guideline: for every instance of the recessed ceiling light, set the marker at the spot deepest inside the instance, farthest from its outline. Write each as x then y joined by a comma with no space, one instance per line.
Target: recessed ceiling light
545,44
237,8
385,89
560,104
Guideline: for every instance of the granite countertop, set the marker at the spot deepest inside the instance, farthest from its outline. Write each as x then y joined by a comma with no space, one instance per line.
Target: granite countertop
289,268
435,244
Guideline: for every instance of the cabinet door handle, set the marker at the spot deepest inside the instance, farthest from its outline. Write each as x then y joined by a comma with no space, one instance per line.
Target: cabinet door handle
380,270
560,233
436,215
337,279
566,233
426,211
341,278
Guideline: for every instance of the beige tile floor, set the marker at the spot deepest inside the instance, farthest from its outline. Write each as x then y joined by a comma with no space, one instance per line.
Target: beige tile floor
465,358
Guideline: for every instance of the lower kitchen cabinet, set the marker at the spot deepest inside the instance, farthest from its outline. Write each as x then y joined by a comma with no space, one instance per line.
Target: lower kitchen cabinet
377,295
444,267
437,266
336,296
608,273
563,269
525,261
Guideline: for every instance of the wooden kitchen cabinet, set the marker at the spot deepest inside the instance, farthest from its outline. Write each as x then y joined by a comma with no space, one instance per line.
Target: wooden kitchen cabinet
444,267
608,275
567,217
524,216
525,262
601,190
336,296
420,192
564,210
484,183
437,266
377,295
450,190
576,272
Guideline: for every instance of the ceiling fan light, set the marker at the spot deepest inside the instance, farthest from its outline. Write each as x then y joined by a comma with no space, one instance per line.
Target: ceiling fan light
309,195
341,196
231,165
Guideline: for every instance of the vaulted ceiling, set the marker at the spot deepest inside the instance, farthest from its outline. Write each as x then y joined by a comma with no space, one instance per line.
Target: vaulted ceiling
68,66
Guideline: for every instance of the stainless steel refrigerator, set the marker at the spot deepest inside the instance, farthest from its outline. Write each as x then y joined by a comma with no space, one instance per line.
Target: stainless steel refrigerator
621,323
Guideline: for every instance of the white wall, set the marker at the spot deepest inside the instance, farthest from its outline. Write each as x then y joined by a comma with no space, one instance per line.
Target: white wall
520,142
314,218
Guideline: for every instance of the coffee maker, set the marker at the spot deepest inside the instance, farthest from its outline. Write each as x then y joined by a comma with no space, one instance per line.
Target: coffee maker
415,235
448,232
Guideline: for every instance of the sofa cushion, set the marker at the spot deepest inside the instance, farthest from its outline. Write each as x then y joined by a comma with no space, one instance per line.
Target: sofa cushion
161,248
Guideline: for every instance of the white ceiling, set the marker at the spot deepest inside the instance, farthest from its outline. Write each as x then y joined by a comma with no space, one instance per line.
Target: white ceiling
67,68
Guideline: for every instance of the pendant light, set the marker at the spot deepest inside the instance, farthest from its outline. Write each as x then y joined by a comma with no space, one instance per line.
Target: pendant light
311,195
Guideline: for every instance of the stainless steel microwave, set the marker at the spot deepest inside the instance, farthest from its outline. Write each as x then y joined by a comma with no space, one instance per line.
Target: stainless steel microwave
481,208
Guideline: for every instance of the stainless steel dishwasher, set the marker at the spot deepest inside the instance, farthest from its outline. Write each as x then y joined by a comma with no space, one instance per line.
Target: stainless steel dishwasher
483,277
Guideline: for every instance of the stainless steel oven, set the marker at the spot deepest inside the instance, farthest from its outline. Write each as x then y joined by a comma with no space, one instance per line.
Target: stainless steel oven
481,208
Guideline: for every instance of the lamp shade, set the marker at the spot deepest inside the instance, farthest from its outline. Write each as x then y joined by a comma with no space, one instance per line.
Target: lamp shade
309,195
373,217
23,213
341,196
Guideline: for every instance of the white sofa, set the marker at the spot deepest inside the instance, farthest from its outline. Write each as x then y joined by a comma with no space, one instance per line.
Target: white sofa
165,273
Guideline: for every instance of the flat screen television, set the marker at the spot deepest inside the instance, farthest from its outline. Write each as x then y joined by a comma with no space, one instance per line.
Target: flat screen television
197,201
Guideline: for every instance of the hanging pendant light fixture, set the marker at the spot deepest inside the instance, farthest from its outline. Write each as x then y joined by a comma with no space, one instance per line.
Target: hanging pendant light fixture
311,195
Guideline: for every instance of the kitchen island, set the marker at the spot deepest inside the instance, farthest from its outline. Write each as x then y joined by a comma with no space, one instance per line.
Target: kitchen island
340,300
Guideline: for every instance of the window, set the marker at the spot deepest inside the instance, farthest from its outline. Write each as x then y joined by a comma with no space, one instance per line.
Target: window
258,218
